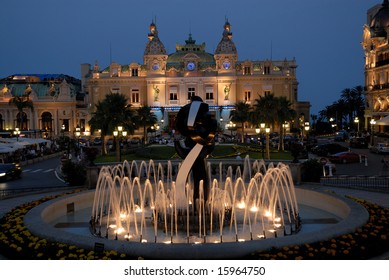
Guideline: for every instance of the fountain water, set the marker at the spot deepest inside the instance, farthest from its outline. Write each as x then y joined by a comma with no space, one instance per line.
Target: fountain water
140,202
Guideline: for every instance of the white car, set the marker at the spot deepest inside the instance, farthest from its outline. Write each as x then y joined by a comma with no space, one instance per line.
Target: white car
380,148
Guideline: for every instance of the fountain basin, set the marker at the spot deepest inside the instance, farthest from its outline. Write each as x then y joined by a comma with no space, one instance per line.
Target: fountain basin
42,219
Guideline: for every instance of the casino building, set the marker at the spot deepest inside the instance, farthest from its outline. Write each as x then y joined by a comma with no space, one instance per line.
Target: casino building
166,82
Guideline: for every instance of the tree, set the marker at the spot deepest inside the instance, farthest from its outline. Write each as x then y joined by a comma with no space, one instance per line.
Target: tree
241,114
273,111
266,107
145,118
354,99
22,102
284,113
111,112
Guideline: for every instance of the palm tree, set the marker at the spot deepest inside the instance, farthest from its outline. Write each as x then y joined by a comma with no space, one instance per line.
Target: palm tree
241,114
145,118
111,112
22,102
266,107
354,98
284,113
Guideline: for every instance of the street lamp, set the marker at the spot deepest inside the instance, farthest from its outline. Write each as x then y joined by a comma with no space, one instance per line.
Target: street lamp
17,133
63,130
258,131
356,120
306,128
116,134
372,123
267,130
284,127
78,135
231,126
262,127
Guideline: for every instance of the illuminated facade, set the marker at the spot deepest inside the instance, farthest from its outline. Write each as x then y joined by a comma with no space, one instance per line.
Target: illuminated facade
58,105
167,81
163,81
376,46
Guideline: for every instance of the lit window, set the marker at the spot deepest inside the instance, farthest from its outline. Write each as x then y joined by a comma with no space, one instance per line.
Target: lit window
209,93
191,92
135,96
247,95
173,93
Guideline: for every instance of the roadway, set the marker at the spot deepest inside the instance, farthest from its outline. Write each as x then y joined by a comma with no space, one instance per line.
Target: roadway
373,166
38,175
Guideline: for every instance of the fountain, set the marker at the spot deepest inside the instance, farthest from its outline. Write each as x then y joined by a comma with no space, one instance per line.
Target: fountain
139,202
136,202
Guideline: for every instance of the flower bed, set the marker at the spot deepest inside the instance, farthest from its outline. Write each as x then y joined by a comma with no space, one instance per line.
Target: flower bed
369,241
17,242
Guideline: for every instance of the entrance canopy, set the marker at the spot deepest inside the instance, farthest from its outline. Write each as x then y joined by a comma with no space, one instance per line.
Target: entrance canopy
383,121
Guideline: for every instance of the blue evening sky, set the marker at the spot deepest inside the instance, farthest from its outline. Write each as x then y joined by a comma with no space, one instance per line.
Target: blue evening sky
48,36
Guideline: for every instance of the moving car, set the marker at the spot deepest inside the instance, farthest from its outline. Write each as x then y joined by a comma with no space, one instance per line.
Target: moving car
10,171
344,157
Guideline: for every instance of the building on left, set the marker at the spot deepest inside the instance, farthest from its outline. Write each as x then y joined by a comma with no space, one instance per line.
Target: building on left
58,105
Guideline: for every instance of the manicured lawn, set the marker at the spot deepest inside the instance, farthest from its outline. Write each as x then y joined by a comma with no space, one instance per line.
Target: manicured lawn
163,152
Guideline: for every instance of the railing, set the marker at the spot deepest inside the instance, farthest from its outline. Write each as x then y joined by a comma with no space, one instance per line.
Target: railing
380,183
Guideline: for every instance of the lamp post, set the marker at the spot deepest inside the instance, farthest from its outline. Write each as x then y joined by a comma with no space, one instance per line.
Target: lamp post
284,127
372,123
78,135
231,126
267,130
356,120
63,130
119,132
17,133
306,128
258,131
262,128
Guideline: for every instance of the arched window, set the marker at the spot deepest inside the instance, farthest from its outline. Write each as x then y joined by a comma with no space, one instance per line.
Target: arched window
47,121
22,121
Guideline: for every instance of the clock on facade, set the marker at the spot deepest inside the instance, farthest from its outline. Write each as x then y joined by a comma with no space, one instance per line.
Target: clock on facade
155,66
226,65
190,66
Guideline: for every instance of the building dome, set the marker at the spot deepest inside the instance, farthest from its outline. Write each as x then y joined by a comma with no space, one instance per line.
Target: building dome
380,21
154,46
193,50
226,45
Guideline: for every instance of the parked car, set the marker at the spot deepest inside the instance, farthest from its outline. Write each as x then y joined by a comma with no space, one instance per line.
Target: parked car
97,141
10,171
328,149
358,142
344,157
380,148
341,136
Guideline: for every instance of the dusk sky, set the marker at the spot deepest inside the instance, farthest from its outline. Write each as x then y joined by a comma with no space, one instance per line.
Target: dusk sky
324,36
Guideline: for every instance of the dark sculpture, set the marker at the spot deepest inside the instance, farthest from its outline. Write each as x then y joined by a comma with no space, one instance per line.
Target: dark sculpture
196,125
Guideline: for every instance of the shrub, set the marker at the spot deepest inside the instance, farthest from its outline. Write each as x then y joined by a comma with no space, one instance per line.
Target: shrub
311,171
74,173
